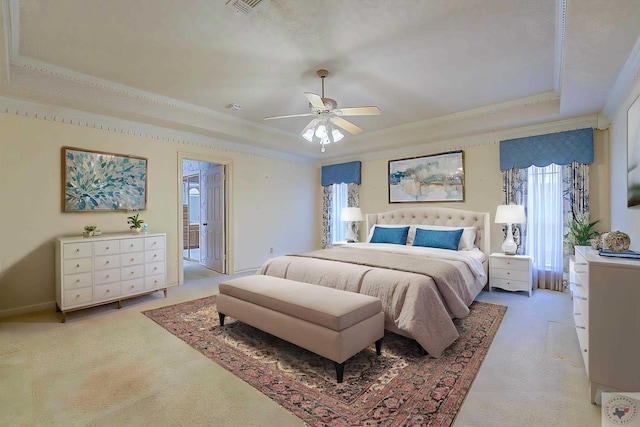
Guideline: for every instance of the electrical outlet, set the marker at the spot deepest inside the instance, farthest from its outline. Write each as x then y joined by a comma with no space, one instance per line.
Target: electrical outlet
270,250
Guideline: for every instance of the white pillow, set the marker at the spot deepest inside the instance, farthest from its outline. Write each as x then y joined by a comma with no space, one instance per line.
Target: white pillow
466,240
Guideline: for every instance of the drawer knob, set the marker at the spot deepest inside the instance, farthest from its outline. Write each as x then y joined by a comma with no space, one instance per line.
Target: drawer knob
155,255
132,259
131,245
131,272
77,280
107,290
107,247
77,250
107,262
77,265
78,296
132,286
155,268
108,276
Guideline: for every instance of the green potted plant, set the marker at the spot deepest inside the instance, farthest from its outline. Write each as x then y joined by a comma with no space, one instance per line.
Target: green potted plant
135,223
581,231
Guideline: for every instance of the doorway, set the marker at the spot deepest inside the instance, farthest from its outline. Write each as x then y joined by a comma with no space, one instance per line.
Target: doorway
203,210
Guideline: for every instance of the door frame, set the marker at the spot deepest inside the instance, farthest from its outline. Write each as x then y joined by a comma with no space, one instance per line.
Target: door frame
228,241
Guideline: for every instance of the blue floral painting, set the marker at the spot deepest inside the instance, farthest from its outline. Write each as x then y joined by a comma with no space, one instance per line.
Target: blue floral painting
95,181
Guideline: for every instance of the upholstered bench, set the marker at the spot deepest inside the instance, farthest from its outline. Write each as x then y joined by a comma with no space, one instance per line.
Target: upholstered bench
329,322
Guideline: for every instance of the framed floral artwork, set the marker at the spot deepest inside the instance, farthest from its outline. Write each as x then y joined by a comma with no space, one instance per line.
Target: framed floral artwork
433,178
94,181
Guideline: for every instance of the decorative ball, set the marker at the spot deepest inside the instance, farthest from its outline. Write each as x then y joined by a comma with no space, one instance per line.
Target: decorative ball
617,241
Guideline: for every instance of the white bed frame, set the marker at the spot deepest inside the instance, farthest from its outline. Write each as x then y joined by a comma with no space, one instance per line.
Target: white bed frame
439,216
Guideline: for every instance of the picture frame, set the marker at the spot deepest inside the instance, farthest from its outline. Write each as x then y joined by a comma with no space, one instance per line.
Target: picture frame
431,178
633,154
96,181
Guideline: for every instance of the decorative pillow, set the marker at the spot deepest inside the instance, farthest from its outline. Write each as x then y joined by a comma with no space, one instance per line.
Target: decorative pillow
373,229
395,235
442,239
467,241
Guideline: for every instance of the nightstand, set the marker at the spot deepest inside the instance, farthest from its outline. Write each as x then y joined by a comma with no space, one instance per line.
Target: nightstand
510,272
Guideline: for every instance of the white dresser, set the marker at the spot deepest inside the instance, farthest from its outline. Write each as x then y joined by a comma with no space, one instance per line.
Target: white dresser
98,270
510,272
606,307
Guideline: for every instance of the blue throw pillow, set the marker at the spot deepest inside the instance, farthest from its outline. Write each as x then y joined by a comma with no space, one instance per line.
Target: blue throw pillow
442,239
395,235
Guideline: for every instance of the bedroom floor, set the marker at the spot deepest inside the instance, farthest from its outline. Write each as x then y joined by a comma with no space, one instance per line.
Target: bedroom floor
140,375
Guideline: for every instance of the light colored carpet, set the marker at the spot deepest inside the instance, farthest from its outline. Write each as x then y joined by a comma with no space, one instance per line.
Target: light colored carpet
116,367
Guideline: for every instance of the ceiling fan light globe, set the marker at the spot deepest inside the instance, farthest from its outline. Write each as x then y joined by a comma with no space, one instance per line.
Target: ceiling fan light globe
337,135
308,135
321,131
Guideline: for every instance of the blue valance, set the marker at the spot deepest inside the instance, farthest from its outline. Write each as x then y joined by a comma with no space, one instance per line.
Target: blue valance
349,173
561,148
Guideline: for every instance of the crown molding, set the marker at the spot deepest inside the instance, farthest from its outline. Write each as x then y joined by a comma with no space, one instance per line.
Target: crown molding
70,116
476,140
626,81
561,29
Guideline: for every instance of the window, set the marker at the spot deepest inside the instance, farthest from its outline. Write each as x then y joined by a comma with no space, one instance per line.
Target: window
544,219
339,201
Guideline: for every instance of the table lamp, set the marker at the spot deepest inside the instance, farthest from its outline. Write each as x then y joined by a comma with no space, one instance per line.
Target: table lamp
352,216
510,214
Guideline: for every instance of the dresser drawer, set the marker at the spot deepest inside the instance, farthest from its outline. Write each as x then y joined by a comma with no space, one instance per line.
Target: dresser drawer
132,286
155,242
131,245
509,263
76,250
131,258
497,273
107,261
79,265
154,282
132,272
74,281
76,297
108,291
106,247
107,276
154,268
154,255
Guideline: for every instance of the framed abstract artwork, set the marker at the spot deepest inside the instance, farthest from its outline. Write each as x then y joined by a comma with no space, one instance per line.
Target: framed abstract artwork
433,178
93,181
633,154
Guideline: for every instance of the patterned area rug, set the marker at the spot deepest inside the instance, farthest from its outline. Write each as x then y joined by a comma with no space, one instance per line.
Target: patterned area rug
399,388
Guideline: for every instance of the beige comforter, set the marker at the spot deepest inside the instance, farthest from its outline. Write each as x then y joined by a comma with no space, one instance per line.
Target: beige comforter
420,296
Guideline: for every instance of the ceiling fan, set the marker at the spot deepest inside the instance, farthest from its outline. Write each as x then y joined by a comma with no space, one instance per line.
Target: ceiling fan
324,128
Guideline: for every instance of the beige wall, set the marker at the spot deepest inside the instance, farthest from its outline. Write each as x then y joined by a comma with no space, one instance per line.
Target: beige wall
273,203
483,184
623,218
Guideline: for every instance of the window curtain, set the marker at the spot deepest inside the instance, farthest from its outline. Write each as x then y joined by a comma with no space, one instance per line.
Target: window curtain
573,151
348,173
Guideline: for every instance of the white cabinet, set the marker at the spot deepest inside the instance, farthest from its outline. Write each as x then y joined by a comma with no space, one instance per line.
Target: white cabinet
606,293
98,270
510,272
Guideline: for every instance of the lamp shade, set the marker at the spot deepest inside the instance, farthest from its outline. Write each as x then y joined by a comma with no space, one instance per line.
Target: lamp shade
351,214
510,214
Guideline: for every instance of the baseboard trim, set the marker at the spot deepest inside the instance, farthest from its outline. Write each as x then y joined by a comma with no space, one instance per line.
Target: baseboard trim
51,305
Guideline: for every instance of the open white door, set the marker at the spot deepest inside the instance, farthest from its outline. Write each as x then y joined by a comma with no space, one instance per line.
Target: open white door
215,219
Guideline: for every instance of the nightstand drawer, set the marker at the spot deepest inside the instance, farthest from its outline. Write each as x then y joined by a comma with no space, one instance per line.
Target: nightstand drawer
510,285
519,275
509,263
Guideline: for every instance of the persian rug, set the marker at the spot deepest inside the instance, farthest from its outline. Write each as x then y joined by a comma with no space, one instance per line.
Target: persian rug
401,387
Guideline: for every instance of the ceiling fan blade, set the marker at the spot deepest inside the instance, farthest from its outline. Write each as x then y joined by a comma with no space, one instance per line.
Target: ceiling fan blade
291,115
315,100
358,111
346,125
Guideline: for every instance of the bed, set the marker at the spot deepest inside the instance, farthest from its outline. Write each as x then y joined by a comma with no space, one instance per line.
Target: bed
422,288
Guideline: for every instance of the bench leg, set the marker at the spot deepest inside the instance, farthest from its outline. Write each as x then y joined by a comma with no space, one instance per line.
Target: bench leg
339,371
379,347
221,317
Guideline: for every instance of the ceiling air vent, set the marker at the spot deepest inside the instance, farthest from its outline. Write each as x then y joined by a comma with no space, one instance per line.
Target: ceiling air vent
244,6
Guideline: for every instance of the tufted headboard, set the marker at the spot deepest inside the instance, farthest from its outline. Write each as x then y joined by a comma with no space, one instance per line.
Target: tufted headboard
438,216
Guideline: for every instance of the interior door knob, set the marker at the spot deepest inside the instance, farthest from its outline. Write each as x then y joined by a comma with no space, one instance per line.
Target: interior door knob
204,223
